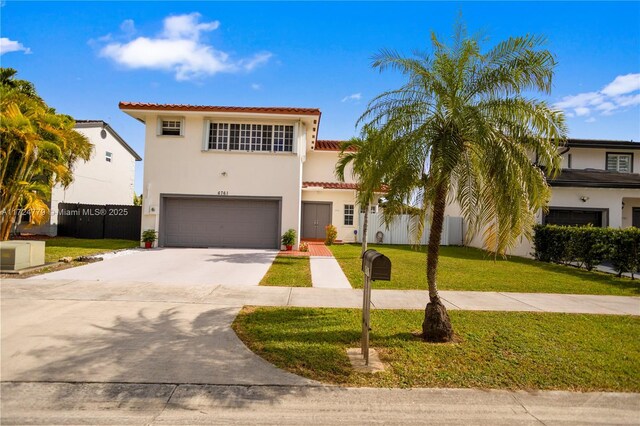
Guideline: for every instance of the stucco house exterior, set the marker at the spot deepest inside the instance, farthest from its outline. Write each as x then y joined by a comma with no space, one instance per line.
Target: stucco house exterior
240,176
106,178
599,185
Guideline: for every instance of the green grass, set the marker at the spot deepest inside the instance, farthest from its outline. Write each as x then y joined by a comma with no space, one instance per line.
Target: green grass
465,268
494,350
56,248
288,272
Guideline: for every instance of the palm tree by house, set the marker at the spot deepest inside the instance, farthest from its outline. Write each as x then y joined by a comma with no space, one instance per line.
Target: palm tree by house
366,165
464,128
38,150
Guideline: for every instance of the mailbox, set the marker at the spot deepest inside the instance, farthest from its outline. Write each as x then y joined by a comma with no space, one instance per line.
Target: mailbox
376,265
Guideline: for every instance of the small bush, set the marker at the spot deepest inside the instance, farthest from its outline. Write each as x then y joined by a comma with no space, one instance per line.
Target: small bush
332,234
624,251
304,246
589,246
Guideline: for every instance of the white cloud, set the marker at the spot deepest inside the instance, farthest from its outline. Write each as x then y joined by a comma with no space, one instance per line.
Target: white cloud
622,85
7,46
590,120
353,97
128,27
178,49
614,96
256,86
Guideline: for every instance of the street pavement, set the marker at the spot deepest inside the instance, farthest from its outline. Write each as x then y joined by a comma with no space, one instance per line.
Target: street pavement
148,353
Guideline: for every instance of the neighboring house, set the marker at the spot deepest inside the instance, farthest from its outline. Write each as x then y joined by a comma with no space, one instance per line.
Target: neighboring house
599,185
106,178
240,176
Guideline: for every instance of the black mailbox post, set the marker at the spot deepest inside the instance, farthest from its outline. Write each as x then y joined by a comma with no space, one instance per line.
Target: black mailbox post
376,267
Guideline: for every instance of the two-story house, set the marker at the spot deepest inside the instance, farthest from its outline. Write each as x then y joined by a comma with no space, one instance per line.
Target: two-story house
106,178
239,176
599,185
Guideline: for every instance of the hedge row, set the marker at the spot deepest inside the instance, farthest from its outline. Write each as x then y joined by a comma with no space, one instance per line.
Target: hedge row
588,246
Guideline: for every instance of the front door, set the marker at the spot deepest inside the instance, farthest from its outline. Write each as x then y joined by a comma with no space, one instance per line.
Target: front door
315,217
636,217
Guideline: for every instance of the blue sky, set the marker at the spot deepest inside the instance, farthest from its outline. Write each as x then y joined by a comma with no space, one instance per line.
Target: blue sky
85,57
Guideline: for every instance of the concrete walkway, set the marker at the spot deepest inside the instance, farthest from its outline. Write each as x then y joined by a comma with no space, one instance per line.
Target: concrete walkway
325,270
327,273
314,297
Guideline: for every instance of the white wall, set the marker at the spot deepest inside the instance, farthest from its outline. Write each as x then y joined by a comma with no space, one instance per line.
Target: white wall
178,165
592,158
320,167
98,181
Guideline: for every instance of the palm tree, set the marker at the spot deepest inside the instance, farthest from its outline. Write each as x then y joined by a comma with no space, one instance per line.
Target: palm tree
39,148
366,168
465,129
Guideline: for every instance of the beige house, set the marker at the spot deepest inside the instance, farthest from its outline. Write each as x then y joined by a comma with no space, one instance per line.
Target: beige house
106,178
599,185
239,176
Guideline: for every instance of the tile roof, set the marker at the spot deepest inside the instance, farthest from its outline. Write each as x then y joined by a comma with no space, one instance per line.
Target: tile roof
329,145
338,185
212,108
592,178
330,185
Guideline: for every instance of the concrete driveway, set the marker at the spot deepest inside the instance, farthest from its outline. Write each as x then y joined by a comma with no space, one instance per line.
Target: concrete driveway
175,265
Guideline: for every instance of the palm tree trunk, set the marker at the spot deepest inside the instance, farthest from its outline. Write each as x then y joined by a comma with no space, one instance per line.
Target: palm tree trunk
437,325
365,225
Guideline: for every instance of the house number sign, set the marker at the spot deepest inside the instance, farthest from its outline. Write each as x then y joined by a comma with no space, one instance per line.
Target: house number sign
223,192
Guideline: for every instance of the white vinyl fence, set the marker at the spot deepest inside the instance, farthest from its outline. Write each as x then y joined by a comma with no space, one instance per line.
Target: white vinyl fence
398,232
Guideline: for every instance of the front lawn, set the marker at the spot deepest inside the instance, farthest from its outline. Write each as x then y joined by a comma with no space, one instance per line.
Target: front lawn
57,248
503,350
288,272
466,268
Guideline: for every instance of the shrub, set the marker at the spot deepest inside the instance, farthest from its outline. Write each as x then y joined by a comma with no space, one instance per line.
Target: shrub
289,237
552,244
332,234
589,246
304,246
624,252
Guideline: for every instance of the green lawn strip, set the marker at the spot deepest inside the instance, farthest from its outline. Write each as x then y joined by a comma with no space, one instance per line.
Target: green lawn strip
501,350
57,248
466,268
288,272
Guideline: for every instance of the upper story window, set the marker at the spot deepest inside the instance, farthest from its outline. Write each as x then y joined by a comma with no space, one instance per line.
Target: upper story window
108,156
620,162
250,137
170,126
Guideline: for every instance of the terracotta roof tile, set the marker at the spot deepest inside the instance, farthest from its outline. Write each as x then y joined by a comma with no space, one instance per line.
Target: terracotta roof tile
330,185
212,108
329,145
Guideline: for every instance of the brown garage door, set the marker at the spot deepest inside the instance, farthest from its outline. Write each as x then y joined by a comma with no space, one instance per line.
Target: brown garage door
208,222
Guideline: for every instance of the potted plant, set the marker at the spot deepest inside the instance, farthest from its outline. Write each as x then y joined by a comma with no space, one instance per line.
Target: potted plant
148,237
289,238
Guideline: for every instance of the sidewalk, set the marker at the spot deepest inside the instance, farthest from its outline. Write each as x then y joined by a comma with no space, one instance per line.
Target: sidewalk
316,297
